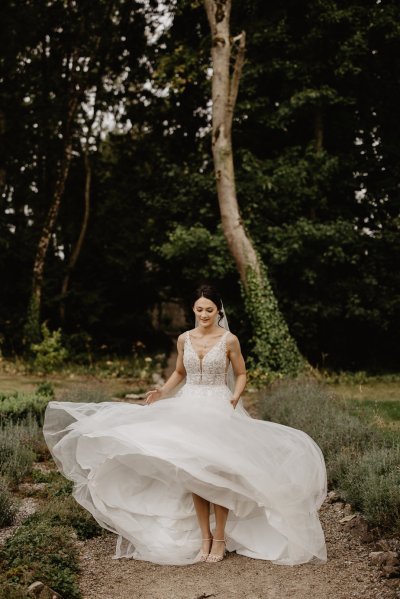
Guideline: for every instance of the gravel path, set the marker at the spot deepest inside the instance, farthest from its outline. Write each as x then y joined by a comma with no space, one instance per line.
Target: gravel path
346,575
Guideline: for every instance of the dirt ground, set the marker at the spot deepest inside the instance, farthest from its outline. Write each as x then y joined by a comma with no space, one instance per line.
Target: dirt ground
346,575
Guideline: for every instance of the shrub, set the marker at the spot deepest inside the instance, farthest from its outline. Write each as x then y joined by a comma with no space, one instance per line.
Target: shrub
311,407
15,407
56,485
64,510
50,354
362,462
45,389
16,455
38,551
8,507
372,484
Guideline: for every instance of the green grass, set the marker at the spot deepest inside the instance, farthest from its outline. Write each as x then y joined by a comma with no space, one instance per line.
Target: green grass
374,399
382,413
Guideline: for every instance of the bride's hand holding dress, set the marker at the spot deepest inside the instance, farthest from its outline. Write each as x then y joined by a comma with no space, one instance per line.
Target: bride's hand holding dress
174,380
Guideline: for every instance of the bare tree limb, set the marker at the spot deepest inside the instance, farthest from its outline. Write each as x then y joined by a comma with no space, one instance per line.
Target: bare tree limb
237,70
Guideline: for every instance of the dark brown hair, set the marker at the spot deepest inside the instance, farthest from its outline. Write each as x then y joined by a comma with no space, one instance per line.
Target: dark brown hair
211,294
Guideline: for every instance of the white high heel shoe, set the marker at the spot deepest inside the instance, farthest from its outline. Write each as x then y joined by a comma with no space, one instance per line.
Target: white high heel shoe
202,556
213,559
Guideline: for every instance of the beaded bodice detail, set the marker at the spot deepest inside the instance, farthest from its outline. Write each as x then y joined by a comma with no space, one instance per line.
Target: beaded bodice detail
209,370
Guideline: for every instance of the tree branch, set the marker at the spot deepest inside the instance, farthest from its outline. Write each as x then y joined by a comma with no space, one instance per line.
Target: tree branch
210,13
237,69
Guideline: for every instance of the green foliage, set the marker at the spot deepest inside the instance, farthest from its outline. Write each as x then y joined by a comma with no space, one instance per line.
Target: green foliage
64,510
362,462
38,551
274,348
60,508
371,483
196,245
19,406
11,591
60,487
32,332
43,547
320,198
49,354
46,389
8,506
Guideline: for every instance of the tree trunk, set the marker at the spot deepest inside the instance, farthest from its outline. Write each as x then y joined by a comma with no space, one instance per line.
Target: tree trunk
78,246
2,154
318,130
274,348
76,87
32,326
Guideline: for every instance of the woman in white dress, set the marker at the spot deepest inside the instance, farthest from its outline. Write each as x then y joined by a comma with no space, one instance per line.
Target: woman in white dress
162,476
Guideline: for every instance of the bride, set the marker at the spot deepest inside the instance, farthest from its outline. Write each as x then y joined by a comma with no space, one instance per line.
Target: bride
162,476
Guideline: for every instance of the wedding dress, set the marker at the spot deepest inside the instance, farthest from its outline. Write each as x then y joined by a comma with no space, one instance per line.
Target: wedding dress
134,468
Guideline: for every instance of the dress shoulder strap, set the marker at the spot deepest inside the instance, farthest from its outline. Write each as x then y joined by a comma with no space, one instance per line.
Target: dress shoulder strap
224,336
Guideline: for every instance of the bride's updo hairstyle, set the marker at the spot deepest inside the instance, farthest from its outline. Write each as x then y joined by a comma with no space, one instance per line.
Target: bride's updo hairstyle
212,294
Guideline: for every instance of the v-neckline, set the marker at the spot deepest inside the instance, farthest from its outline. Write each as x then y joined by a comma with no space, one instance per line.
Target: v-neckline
210,350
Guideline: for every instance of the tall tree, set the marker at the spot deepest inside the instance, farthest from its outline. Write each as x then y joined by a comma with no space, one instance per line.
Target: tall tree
81,58
51,72
275,348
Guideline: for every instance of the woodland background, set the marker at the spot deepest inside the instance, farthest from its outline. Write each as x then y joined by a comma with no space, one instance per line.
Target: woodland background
105,109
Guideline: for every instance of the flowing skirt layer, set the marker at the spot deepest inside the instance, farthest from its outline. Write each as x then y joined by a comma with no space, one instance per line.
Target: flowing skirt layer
135,468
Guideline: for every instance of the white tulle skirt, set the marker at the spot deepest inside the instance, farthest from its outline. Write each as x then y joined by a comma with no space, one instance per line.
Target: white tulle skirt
135,467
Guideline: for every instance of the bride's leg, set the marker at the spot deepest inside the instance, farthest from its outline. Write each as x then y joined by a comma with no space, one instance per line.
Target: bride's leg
202,507
221,516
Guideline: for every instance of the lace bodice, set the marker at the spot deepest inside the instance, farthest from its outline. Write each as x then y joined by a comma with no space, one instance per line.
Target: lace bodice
210,370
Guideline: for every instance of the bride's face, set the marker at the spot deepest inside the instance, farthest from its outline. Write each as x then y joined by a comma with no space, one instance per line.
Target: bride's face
205,311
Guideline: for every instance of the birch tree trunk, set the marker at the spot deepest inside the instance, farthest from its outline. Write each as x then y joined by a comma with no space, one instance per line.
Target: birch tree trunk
274,348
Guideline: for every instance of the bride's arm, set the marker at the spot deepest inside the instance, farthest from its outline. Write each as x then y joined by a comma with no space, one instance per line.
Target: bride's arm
239,367
176,377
